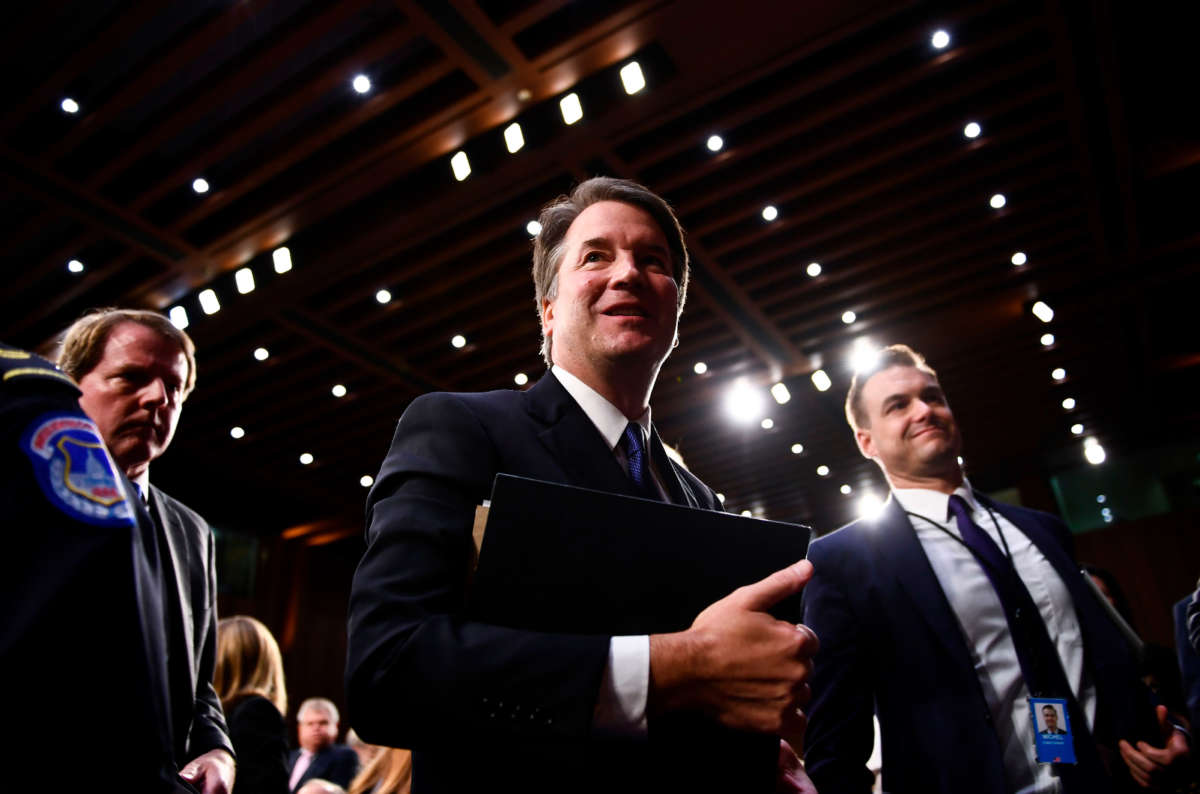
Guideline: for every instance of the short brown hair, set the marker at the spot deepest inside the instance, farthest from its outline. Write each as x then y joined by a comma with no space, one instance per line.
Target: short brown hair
248,663
83,343
557,216
890,356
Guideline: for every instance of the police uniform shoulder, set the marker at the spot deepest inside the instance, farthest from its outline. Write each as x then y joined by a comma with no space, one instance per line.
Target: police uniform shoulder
20,366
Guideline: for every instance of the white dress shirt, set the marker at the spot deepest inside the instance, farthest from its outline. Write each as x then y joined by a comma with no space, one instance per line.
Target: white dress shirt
982,619
625,689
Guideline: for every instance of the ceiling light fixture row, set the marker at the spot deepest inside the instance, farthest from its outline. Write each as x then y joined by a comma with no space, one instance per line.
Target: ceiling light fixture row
244,283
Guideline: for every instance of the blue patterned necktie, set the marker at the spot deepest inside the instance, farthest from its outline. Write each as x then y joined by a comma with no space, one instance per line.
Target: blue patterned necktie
639,470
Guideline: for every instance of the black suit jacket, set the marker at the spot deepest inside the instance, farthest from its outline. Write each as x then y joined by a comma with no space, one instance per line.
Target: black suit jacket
260,739
192,628
420,675
336,763
890,643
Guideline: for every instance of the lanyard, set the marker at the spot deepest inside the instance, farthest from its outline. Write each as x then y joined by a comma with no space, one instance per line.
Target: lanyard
1012,568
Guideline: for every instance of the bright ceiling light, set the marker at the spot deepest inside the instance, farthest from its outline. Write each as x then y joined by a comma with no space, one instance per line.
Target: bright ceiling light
632,77
75,266
1077,429
770,213
572,110
534,228
940,39
869,506
1101,499
848,317
520,379
972,130
863,356
361,83
178,316
997,201
1058,373
459,341
822,470
200,184
244,278
1068,404
69,105
715,143
1047,340
1093,451
780,392
237,432
209,302
514,139
721,498
366,481
1042,311
743,402
767,423
282,259
261,353
699,368
383,296
845,489
1019,258
460,165
821,380
813,269
746,514
306,458
338,390
797,449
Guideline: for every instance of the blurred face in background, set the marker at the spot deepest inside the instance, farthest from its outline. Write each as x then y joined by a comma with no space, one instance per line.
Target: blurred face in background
317,729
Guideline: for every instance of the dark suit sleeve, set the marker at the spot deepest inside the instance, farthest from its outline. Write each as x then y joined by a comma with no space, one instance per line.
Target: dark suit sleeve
418,672
260,738
343,766
208,721
840,735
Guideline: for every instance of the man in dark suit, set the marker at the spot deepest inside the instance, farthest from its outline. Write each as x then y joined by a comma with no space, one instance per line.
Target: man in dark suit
135,369
486,706
915,628
319,758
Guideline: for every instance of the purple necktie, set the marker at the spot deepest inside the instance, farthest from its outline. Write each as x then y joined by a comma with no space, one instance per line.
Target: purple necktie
639,470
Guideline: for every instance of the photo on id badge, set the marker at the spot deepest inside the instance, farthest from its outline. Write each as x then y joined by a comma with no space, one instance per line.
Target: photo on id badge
1052,731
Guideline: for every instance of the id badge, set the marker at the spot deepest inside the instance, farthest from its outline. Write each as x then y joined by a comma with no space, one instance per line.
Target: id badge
1053,737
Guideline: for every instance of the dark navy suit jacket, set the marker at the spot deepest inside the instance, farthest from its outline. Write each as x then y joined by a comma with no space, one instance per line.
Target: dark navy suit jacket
336,763
419,674
891,644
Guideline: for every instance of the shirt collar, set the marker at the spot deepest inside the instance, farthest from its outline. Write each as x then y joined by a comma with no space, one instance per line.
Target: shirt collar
607,418
934,504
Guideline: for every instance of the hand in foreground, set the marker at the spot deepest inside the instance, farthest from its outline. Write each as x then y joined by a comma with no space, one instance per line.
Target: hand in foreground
736,663
792,778
212,772
1149,765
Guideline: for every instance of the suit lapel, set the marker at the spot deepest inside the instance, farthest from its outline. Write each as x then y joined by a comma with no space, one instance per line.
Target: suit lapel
178,555
676,488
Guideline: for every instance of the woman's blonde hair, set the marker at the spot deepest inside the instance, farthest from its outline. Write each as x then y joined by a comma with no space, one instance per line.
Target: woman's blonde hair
248,663
389,772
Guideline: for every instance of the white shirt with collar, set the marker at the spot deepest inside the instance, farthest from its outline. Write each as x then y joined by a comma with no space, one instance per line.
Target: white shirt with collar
982,619
625,688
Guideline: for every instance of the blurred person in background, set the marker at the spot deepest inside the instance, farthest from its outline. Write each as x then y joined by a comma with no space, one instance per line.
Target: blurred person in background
390,772
319,757
249,681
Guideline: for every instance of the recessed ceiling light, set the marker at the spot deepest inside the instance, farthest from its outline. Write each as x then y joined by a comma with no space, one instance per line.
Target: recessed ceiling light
69,105
460,165
1077,429
1019,258
1068,404
813,269
1058,373
864,355
361,83
1101,499
366,481
780,392
237,432
534,228
459,341
797,449
514,139
823,470
848,317
1042,311
821,380
746,514
721,498
940,39
699,368
743,402
282,258
1093,452
244,278
571,108
178,316
997,201
770,213
715,143
75,266
1047,340
200,184
208,302
520,379
383,296
869,505
632,77
767,423
972,130
261,353
306,458
845,489
338,390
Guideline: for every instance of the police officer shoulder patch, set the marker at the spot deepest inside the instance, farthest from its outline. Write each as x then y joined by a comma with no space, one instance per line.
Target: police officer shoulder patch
75,471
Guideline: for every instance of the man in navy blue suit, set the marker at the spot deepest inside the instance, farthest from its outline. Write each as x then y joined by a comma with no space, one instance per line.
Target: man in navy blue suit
319,757
485,706
946,612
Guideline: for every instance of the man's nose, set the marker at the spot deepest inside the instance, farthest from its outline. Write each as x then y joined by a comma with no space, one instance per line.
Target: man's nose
154,393
626,268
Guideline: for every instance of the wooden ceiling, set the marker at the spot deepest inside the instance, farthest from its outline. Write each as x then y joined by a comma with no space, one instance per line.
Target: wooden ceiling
842,115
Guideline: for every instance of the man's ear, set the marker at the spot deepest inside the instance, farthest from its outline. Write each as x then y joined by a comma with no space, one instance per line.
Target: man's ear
547,316
866,445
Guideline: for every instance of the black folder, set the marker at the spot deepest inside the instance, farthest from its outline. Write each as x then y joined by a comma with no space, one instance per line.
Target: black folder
562,559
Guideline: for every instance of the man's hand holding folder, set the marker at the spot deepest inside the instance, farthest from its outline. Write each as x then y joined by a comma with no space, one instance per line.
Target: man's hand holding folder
736,663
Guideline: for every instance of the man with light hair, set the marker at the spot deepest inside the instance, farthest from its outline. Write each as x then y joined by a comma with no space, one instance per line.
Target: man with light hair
135,369
319,757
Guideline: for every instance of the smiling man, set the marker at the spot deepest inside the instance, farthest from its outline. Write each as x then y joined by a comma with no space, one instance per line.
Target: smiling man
945,613
549,712
135,369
